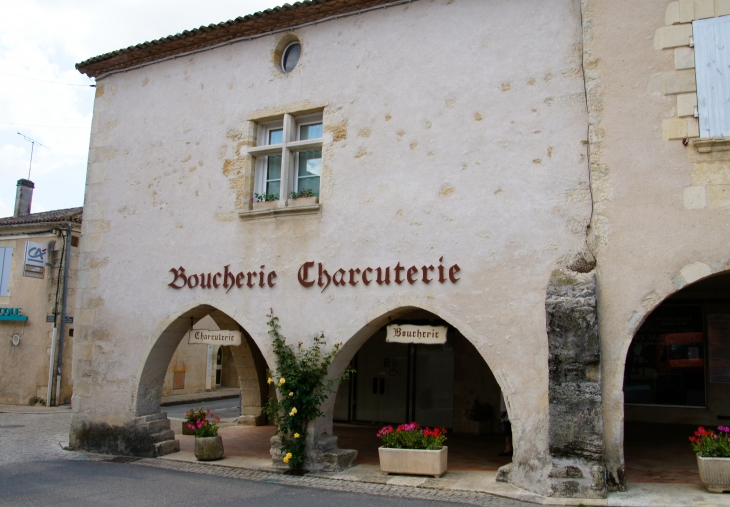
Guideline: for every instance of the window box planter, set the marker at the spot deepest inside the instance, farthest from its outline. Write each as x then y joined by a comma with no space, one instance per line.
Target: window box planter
715,473
302,201
208,448
413,461
265,205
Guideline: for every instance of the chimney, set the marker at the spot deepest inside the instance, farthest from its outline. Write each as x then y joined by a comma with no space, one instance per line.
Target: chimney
23,197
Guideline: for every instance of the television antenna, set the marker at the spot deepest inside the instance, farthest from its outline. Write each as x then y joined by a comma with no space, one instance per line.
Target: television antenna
32,142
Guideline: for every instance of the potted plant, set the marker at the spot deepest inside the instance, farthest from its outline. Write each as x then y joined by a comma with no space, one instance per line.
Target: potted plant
410,449
265,201
713,451
208,443
304,197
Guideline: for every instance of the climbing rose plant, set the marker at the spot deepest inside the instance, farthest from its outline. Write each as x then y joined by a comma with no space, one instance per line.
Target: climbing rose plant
300,381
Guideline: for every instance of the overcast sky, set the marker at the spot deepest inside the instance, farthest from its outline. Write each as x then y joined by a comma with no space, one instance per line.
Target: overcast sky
41,41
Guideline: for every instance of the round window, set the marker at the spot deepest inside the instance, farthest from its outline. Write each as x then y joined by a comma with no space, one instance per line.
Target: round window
290,58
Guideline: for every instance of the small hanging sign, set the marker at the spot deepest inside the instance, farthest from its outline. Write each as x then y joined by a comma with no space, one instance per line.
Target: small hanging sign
210,337
408,333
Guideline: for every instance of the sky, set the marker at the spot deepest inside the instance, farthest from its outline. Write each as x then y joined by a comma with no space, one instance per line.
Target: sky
46,99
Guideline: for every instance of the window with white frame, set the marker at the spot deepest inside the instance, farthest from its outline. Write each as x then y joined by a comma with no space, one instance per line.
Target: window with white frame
6,257
288,157
712,67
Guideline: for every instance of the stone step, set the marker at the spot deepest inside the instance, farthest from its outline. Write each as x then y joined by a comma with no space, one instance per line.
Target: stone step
326,443
158,425
152,417
166,447
163,435
337,460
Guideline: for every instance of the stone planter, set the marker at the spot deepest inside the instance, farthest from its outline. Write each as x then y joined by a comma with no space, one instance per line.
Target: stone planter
715,473
208,448
264,205
302,201
413,461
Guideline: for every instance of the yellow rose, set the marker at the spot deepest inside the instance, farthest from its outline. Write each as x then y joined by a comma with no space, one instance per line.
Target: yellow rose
293,411
291,394
270,380
281,381
286,459
288,455
296,435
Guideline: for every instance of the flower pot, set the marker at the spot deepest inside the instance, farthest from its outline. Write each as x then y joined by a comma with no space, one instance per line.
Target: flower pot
715,473
208,448
413,461
263,205
302,201
187,430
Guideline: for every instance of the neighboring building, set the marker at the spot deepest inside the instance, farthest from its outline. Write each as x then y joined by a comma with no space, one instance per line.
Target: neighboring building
38,251
528,175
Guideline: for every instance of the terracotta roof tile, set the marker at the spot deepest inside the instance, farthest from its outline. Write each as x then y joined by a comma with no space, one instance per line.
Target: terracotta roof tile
270,20
59,215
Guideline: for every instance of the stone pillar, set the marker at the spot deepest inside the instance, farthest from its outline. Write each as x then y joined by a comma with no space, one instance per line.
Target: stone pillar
251,368
576,412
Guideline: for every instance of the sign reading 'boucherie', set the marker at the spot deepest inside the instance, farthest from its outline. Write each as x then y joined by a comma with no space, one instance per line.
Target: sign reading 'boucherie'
309,275
208,337
409,333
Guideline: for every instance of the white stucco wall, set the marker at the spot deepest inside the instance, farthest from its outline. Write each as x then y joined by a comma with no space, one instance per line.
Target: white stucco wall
465,130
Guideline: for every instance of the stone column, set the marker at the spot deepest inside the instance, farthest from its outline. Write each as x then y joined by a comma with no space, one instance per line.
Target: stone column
576,417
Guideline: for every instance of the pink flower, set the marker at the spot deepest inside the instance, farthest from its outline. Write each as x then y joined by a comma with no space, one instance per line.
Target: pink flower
200,423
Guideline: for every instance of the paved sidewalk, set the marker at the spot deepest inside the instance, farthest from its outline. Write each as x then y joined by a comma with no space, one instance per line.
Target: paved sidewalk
38,434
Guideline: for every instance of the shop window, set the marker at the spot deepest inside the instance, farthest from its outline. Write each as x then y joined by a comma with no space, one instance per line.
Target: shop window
666,361
288,156
712,62
6,257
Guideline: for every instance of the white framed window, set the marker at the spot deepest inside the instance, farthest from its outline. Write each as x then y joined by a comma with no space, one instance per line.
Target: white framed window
288,156
712,68
6,258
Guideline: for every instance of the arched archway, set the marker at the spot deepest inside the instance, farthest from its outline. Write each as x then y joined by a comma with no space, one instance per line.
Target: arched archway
676,376
250,365
446,384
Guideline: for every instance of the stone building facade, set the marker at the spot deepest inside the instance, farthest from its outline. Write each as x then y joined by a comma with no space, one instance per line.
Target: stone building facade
524,173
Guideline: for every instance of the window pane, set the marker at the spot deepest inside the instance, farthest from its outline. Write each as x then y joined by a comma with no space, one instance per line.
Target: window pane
310,168
272,187
276,136
310,163
313,131
666,362
273,174
273,170
291,56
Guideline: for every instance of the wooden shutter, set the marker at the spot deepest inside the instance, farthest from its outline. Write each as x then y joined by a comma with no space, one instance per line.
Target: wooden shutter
712,67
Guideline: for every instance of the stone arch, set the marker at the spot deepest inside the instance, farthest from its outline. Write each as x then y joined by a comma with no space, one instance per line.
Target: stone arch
613,384
161,347
323,453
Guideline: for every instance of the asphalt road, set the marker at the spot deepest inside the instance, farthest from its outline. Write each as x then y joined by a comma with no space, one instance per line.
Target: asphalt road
225,409
81,483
